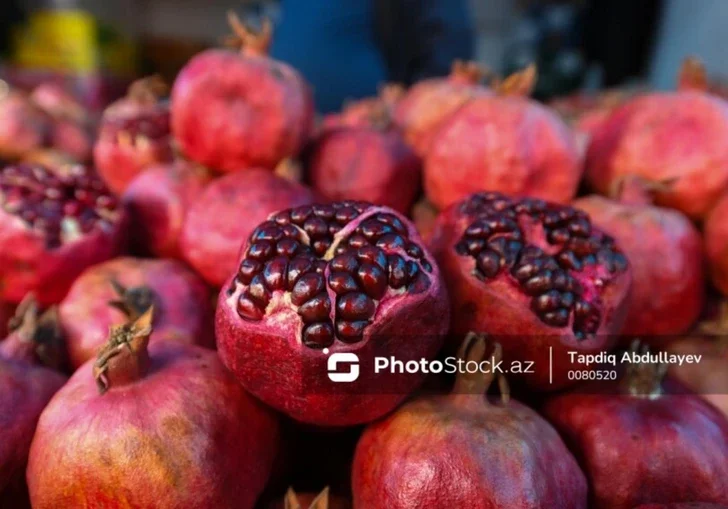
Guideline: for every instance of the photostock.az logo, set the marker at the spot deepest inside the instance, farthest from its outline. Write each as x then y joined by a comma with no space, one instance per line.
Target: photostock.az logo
346,358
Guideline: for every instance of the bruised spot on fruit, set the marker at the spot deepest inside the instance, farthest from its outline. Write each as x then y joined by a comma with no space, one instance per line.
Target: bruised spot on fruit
349,248
550,251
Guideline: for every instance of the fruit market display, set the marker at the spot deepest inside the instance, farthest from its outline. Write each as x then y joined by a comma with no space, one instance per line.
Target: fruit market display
216,298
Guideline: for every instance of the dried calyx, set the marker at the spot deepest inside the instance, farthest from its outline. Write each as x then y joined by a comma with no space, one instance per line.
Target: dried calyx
334,263
643,379
476,348
34,336
692,75
519,84
320,502
134,301
551,252
124,358
60,207
253,42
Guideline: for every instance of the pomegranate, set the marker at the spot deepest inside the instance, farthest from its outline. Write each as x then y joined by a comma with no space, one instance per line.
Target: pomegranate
643,440
134,134
227,212
53,226
158,201
716,244
151,425
123,288
503,143
709,377
257,110
365,163
23,126
348,278
537,276
368,111
6,313
466,450
426,106
25,388
323,500
666,254
72,126
679,137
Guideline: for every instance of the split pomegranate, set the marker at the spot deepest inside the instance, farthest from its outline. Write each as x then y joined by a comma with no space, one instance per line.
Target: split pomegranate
257,111
123,288
537,276
26,386
466,450
151,425
372,164
134,134
666,254
224,215
53,226
368,111
157,201
503,143
23,126
640,442
679,137
716,244
322,500
425,106
347,278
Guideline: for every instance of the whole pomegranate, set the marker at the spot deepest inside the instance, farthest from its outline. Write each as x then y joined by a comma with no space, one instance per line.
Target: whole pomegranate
134,134
323,500
123,288
665,251
716,244
23,126
26,386
537,276
639,442
227,211
157,201
709,377
365,163
427,104
151,425
53,226
679,137
349,278
504,143
466,450
257,110
367,111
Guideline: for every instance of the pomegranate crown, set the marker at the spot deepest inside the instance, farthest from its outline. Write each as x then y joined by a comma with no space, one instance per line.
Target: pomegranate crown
249,41
320,502
643,379
477,348
35,335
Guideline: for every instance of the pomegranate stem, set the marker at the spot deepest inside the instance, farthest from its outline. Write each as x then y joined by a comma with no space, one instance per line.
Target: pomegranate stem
643,380
475,349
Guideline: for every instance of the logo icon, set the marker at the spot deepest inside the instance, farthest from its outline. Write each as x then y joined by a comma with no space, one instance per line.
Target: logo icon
347,359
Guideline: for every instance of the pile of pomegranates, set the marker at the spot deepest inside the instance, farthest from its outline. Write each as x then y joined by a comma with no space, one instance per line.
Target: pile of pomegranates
220,296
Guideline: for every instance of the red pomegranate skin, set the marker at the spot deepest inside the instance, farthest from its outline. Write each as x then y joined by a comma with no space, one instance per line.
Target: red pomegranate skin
368,111
135,134
25,389
367,164
23,126
665,251
181,300
507,144
369,289
257,111
665,448
429,103
225,214
465,450
538,290
157,201
687,505
678,137
158,438
52,227
716,244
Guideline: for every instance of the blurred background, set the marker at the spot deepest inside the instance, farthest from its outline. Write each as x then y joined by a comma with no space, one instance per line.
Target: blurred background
347,47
